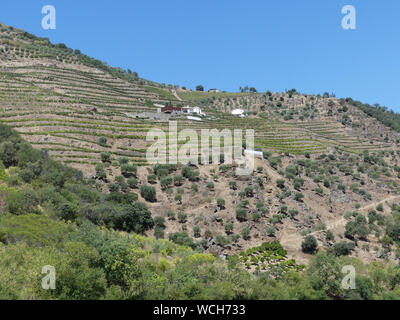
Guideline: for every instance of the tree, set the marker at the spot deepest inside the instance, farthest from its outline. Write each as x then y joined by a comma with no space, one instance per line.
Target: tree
298,196
182,217
105,157
158,232
178,198
357,228
233,185
159,221
165,182
229,227
221,203
148,193
128,170
329,236
182,238
196,232
171,215
280,183
103,141
256,216
245,233
137,218
100,173
309,244
325,276
178,179
8,153
343,248
132,183
199,88
221,240
189,173
67,212
249,192
241,214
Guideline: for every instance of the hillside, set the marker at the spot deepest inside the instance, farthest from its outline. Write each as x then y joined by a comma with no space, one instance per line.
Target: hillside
330,170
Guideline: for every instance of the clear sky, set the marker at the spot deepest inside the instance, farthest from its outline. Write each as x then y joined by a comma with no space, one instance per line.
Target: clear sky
224,44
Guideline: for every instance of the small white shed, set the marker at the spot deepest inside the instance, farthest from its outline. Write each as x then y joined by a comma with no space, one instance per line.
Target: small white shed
256,154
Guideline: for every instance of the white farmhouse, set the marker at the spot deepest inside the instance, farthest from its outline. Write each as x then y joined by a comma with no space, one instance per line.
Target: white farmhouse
238,112
193,110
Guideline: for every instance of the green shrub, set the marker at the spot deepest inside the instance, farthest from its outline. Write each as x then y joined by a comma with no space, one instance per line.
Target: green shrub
299,196
178,179
329,236
171,215
148,193
280,183
158,232
256,216
165,182
67,211
245,233
229,227
105,157
152,178
159,221
100,173
182,217
309,244
182,238
196,232
22,201
343,248
103,141
132,183
221,203
241,214
128,170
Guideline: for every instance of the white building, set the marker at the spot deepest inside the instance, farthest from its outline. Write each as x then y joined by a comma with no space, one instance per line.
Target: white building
256,154
194,118
238,112
194,110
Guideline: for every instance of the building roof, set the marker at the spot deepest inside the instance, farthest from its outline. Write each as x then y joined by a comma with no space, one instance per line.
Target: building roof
237,112
169,109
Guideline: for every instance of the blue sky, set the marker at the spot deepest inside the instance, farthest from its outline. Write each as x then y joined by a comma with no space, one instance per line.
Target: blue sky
268,44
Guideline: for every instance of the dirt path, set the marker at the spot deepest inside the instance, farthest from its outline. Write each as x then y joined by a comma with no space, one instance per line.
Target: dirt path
176,95
287,239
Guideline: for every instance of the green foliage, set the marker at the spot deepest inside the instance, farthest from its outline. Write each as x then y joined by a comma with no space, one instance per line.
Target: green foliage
189,173
343,248
245,233
280,183
309,244
105,157
148,193
196,232
128,170
357,228
221,203
35,230
21,201
102,141
182,217
182,238
241,214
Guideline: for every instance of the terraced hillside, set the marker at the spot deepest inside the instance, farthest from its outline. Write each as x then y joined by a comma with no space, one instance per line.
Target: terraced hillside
323,156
